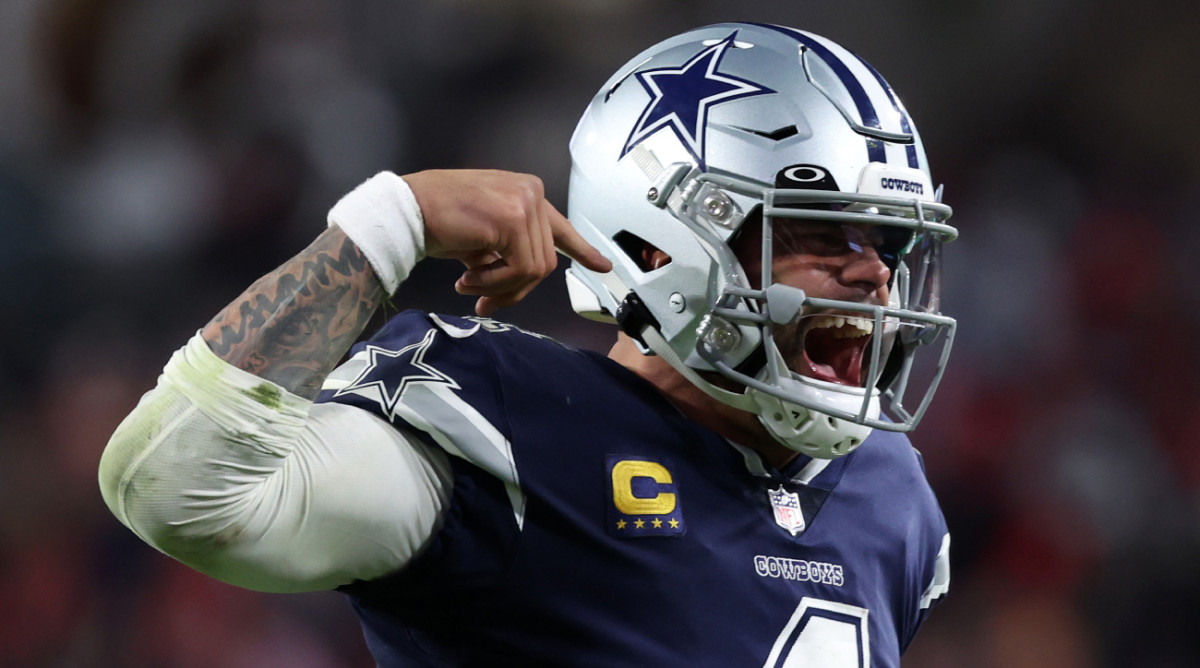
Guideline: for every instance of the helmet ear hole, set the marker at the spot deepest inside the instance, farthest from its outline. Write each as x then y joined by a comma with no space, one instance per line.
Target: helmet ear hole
642,253
746,244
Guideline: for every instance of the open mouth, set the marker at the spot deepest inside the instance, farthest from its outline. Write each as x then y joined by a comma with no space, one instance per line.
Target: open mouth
835,347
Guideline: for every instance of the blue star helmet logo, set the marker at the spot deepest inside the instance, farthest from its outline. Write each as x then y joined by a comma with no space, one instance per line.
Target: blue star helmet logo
680,98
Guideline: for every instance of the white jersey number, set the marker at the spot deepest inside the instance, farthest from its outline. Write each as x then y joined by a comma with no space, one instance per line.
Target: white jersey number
823,633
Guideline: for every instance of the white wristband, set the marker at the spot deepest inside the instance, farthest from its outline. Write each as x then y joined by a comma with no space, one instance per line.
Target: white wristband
382,218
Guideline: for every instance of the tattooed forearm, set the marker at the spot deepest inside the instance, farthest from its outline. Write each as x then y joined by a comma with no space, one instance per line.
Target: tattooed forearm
294,324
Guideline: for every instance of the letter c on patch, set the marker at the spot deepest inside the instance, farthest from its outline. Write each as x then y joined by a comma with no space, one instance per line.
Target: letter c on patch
623,474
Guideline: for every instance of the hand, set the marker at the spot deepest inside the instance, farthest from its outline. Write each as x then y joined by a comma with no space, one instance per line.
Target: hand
500,225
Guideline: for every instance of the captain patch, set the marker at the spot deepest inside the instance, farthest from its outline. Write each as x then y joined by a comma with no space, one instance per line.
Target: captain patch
643,499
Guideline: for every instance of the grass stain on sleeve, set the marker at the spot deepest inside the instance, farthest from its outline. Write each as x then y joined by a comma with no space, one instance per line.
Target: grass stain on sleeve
266,394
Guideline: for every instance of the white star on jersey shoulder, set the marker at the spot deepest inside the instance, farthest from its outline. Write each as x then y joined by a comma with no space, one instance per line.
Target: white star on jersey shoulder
389,391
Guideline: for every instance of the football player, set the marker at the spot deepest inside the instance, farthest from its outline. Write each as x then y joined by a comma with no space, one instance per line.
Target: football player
752,207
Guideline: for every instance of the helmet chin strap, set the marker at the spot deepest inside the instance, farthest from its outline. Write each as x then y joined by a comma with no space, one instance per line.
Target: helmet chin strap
807,431
660,346
655,341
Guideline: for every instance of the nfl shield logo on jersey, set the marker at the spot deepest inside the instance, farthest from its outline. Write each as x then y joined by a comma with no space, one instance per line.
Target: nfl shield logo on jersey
787,509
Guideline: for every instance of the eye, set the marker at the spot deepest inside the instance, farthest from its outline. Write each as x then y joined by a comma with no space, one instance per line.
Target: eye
892,240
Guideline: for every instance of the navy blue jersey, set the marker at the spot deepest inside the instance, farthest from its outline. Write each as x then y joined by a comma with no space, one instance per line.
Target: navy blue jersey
592,524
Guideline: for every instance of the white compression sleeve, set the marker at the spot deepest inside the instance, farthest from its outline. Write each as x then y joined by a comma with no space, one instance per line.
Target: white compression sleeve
236,477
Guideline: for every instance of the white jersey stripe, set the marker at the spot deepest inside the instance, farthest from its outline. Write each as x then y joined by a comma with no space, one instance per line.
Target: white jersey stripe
463,432
941,575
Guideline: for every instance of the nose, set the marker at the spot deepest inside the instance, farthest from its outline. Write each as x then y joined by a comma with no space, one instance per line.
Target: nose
864,269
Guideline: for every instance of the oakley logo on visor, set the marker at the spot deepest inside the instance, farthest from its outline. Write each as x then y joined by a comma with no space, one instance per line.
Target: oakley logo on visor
808,177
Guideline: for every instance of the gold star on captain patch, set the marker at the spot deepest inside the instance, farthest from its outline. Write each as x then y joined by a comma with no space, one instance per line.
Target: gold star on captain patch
674,523
639,524
657,523
621,524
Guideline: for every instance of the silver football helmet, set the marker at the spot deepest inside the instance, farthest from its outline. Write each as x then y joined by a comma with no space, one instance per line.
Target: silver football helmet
740,145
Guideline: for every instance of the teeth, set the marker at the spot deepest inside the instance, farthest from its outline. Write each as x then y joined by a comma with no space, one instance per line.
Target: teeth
847,327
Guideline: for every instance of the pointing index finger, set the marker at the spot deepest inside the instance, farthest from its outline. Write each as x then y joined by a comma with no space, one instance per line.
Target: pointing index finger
568,240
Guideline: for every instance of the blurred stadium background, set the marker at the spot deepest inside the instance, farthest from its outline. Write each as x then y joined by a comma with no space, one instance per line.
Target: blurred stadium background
156,156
